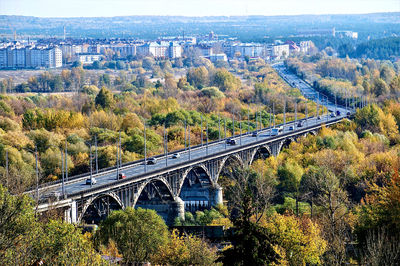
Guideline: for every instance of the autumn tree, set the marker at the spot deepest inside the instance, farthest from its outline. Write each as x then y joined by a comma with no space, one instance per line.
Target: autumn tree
330,196
298,241
198,77
380,210
138,233
185,250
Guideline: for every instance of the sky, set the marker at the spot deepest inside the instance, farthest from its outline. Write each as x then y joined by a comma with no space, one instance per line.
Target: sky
109,8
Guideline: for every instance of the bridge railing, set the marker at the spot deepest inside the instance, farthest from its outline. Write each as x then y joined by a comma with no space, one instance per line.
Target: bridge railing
232,149
101,171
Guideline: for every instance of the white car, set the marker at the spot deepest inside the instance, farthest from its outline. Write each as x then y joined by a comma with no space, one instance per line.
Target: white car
176,155
91,181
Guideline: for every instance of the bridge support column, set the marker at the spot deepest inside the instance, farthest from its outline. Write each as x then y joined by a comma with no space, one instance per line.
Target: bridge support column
177,209
216,195
275,148
70,214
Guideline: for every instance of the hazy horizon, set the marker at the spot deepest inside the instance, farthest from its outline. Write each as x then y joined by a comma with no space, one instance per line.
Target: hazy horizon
192,8
187,16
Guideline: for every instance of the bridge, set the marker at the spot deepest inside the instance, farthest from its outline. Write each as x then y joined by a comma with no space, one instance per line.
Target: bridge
172,186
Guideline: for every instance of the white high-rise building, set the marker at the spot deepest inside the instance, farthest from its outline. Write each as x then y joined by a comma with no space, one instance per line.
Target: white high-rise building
3,58
160,50
30,57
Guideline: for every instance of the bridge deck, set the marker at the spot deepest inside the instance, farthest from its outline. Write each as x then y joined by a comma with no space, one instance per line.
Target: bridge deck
136,170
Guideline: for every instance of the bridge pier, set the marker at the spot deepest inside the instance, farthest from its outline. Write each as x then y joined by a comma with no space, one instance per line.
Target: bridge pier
70,213
216,195
276,148
177,209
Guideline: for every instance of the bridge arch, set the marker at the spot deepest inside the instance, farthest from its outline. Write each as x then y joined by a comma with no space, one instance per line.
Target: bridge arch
196,188
263,151
158,180
190,169
156,194
286,143
228,160
99,207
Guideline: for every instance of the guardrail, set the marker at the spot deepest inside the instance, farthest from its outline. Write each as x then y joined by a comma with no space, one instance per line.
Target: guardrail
233,149
80,177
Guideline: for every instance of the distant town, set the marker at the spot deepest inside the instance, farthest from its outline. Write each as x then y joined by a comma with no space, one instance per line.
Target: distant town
56,53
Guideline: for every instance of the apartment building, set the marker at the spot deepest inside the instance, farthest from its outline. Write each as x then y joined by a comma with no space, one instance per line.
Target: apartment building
160,50
30,57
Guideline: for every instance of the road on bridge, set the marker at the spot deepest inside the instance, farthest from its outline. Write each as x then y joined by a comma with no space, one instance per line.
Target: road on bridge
135,169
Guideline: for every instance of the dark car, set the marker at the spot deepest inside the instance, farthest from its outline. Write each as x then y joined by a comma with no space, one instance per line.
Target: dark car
299,124
121,176
337,112
231,142
151,161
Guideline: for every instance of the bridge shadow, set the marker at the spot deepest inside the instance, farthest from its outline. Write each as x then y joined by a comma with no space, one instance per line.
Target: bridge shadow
157,196
261,153
196,191
99,208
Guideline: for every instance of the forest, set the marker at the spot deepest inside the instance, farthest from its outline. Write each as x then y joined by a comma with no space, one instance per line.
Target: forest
328,199
245,28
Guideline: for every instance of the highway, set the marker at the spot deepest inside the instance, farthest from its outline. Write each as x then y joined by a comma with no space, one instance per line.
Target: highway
136,169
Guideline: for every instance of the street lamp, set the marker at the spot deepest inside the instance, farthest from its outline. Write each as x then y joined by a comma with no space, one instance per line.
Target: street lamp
233,125
219,126
145,149
248,120
240,126
206,137
189,141
225,131
273,112
201,129
95,143
284,114
118,155
185,134
165,146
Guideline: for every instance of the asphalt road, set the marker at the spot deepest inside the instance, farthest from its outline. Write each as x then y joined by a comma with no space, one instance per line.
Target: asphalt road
137,169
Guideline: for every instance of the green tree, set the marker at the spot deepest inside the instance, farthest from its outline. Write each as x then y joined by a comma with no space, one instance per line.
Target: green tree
367,118
138,233
224,80
104,98
290,175
249,198
380,87
63,244
18,228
